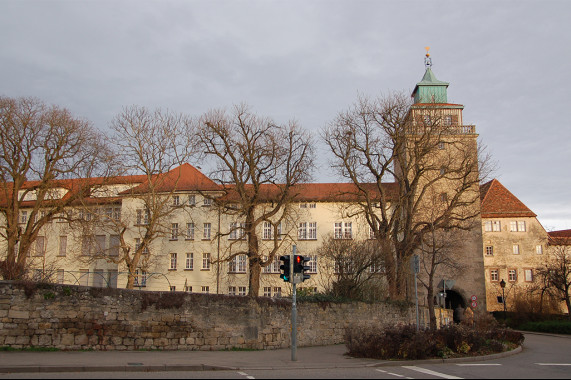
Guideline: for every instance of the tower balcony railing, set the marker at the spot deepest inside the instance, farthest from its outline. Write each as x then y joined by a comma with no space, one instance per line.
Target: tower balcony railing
447,130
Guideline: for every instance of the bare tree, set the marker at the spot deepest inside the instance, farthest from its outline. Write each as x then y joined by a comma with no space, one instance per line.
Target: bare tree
152,147
356,266
556,272
259,163
49,160
439,253
390,138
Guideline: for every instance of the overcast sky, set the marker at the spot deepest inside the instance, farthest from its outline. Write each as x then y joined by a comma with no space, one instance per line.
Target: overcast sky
507,62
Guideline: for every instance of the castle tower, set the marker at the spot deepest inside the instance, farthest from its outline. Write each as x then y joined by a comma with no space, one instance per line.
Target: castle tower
445,150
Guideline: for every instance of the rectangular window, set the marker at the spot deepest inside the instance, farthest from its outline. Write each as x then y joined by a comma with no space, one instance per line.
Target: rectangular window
205,289
173,262
86,245
206,261
23,217
98,278
447,120
231,290
188,288
175,200
40,246
192,200
60,276
138,245
142,217
206,231
207,202
114,245
441,145
241,290
237,231
338,231
174,231
84,277
489,250
528,273
140,278
513,226
521,226
307,231
302,231
237,264
189,263
539,249
515,249
268,231
312,232
496,226
62,246
312,264
494,275
173,288
348,231
277,292
267,291
190,231
512,275
100,245
112,278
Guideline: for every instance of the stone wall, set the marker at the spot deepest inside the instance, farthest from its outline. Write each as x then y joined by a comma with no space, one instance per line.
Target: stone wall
74,317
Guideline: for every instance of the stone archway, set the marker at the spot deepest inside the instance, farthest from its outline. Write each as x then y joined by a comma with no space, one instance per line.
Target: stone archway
456,302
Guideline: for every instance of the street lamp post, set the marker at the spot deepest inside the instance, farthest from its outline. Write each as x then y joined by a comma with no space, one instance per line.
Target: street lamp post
503,286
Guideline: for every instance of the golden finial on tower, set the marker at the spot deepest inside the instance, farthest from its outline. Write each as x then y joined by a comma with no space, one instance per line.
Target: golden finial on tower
427,60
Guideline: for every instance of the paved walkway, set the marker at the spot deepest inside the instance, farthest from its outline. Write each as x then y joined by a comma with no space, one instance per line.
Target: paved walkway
114,361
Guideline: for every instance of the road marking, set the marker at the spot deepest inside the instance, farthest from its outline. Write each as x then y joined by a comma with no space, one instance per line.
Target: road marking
429,372
476,365
555,364
394,374
245,374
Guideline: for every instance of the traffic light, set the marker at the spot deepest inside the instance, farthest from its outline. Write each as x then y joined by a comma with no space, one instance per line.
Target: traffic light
285,267
299,266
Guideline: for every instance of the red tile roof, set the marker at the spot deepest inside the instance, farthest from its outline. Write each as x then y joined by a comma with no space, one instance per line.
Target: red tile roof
561,237
499,202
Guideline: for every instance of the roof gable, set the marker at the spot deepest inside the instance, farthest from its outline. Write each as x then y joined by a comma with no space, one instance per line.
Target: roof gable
499,202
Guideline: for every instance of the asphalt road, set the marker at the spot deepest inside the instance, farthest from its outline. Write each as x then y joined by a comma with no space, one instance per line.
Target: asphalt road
543,356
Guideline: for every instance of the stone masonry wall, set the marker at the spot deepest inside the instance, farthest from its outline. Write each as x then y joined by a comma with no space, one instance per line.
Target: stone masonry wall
74,317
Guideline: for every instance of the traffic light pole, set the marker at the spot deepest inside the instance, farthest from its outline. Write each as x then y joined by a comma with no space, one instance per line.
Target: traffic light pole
293,316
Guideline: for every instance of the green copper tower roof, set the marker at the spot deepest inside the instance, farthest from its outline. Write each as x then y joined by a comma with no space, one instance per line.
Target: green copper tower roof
430,89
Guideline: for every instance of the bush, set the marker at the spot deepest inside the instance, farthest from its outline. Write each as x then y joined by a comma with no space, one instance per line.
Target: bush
554,327
404,342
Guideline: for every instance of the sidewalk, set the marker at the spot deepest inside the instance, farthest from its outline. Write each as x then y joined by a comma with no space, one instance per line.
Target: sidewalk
136,361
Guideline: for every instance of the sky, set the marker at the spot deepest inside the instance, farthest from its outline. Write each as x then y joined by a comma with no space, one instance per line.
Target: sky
507,62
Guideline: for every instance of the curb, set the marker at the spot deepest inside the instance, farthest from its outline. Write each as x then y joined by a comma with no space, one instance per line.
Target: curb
500,355
114,368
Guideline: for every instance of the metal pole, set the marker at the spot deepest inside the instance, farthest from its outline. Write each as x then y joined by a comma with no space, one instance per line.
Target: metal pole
293,312
504,299
416,295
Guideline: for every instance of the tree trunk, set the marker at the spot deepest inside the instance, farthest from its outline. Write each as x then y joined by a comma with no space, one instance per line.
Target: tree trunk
430,299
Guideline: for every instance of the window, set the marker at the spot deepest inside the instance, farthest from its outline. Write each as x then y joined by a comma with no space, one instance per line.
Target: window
528,274
539,249
237,231
98,278
515,249
86,245
188,288
489,250
174,231
492,226
175,200
142,217
23,217
112,278
114,245
173,262
343,230
190,231
312,264
343,266
441,145
447,120
140,278
443,197
206,231
376,268
60,276
426,119
494,275
307,231
307,205
442,170
267,291
84,277
62,246
237,264
231,290
206,261
138,245
205,289
241,290
172,288
207,202
512,275
268,231
517,226
277,292
189,262
100,245
192,200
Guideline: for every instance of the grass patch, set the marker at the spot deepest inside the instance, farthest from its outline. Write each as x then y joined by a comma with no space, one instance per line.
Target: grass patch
553,327
29,349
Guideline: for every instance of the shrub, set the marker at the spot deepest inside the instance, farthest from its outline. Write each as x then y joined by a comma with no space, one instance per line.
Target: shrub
554,327
404,342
